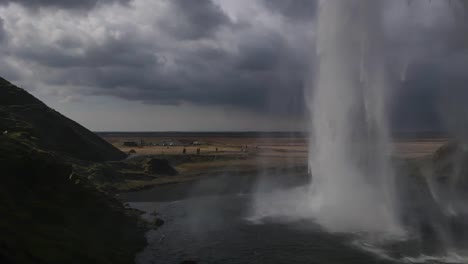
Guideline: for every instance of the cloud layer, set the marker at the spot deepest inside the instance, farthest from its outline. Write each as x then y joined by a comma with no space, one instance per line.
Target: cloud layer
158,52
255,55
62,4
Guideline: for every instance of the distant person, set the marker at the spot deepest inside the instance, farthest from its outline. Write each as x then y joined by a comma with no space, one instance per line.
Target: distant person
216,149
184,151
198,151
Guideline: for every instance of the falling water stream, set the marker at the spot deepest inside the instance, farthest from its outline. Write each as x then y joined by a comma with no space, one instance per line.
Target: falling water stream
353,182
353,185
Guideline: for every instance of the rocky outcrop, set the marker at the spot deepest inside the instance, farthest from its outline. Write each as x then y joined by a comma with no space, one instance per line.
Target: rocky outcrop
159,167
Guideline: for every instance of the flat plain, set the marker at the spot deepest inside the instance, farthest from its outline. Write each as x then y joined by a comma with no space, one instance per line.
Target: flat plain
269,145
243,151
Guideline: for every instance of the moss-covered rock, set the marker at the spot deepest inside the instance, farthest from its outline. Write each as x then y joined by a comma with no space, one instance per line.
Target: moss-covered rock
49,217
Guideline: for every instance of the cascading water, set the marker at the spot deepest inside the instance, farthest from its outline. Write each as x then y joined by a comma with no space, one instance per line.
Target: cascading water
353,188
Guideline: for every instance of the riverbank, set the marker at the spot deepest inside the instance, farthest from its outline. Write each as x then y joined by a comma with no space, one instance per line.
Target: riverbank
133,174
234,154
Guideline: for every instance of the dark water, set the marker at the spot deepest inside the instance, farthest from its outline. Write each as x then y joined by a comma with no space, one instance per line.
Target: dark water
208,222
214,230
210,226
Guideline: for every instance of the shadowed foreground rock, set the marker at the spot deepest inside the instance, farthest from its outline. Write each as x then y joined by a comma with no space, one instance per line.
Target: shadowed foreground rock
48,217
48,214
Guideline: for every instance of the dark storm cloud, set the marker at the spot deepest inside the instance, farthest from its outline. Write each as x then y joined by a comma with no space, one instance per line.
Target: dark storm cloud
241,67
261,54
204,76
293,9
127,51
189,20
180,51
453,109
436,57
433,98
66,4
416,104
433,95
2,31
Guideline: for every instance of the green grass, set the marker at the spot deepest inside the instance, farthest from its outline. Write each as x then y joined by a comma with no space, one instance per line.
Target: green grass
48,218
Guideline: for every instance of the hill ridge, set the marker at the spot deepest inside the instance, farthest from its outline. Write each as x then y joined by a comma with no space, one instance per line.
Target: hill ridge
26,116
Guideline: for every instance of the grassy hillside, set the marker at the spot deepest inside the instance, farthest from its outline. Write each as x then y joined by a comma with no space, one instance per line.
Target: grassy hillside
49,214
26,116
50,217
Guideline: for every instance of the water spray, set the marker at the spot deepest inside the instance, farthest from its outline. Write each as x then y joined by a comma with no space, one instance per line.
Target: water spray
353,185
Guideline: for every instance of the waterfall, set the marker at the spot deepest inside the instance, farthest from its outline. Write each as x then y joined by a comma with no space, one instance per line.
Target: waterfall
352,178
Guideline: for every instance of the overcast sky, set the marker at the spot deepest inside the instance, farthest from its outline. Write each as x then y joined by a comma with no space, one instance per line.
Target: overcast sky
160,65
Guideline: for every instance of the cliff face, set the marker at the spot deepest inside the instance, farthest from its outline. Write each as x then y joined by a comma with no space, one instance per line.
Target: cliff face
23,114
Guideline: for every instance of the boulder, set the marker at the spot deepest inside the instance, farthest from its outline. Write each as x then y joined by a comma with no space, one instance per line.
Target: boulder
158,222
159,167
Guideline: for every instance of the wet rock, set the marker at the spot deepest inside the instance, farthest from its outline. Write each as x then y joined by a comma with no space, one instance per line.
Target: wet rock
158,222
160,167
